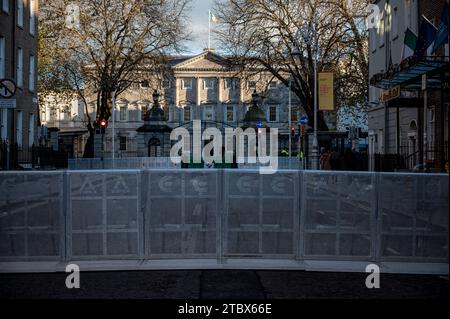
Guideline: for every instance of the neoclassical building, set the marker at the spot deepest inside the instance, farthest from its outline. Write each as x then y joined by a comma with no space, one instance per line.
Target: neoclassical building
201,87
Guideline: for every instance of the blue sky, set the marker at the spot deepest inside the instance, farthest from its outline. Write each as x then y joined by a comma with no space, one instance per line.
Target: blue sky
199,25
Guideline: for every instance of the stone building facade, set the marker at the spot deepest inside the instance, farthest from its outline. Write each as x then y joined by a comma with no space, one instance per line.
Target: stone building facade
202,87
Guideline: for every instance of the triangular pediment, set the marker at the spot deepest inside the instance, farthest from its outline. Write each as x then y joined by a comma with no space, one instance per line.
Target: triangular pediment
204,61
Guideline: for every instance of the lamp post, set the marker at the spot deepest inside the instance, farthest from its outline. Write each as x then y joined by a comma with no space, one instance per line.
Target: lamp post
305,32
290,121
114,126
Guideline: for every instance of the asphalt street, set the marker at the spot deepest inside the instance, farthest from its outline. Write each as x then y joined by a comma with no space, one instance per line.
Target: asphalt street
221,284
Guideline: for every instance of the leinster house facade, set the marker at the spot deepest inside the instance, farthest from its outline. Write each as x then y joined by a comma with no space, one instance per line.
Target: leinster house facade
201,87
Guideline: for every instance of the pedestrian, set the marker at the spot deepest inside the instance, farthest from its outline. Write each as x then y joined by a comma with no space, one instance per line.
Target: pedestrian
325,159
335,159
349,160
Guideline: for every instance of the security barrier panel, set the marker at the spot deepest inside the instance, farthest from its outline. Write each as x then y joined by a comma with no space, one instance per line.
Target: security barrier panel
224,215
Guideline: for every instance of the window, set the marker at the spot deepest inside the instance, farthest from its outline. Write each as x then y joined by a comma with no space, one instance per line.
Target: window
294,116
229,114
31,130
252,84
230,84
4,125
19,71
19,128
273,114
408,14
53,114
20,13
381,31
186,84
373,39
208,84
187,113
143,112
2,57
208,113
394,23
122,143
32,17
123,113
5,6
273,85
31,74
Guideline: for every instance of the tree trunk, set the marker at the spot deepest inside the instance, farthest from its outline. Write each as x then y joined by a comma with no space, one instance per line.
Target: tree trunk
89,146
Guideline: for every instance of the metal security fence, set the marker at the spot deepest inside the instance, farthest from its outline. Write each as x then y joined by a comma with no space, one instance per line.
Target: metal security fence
339,220
261,214
122,163
413,217
223,215
32,218
161,163
104,219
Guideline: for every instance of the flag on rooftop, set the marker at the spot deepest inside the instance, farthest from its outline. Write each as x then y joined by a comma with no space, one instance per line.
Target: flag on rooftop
442,33
427,35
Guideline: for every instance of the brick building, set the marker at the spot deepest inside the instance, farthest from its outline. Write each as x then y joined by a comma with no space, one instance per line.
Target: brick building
18,62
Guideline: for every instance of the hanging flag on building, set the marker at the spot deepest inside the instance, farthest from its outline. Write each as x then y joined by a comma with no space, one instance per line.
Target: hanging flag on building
326,91
409,44
442,33
427,34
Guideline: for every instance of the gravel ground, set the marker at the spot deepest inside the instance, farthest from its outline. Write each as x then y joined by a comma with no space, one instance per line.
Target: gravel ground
222,284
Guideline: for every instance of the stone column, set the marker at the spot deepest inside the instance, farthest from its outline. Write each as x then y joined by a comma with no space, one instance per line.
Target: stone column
198,97
196,114
219,108
177,96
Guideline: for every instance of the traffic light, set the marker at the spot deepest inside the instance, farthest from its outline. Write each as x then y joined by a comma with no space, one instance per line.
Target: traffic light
302,130
293,131
103,126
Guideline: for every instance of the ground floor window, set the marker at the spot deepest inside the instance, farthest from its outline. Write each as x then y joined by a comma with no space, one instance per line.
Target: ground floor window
122,143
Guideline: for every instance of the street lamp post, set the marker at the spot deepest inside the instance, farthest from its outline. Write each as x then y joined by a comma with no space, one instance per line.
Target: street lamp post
315,146
306,35
290,121
114,126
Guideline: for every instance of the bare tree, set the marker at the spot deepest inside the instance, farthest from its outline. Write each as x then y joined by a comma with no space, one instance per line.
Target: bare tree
262,34
101,46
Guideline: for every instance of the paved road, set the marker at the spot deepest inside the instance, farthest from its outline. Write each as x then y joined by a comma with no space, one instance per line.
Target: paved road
222,284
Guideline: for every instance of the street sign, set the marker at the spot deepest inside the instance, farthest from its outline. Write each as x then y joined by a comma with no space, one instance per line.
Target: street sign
304,120
7,88
259,124
8,104
391,94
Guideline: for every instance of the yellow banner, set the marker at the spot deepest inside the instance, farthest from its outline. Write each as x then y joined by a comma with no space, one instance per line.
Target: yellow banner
326,91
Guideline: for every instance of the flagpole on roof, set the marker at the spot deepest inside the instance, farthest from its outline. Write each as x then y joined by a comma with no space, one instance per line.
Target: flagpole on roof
209,29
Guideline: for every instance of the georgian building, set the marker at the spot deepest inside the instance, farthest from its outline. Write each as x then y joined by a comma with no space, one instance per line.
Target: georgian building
202,87
398,122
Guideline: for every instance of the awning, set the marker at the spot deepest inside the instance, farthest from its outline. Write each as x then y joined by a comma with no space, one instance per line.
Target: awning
72,131
408,74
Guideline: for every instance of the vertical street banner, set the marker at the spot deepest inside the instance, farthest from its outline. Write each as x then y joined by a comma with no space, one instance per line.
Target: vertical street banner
326,91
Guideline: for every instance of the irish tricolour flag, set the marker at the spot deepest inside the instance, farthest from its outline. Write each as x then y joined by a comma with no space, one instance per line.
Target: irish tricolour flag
409,44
